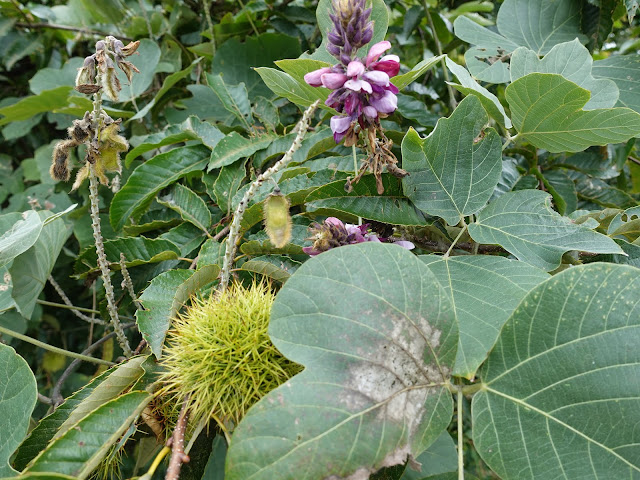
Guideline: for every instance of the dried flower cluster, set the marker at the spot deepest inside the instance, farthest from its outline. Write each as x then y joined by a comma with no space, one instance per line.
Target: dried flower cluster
334,233
362,92
97,130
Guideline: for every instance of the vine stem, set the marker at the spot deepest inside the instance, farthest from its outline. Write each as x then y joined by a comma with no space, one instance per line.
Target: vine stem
73,309
51,348
234,230
80,309
104,264
464,228
445,70
460,435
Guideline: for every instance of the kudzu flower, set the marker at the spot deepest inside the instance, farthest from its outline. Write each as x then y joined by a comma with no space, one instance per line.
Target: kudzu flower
362,92
334,233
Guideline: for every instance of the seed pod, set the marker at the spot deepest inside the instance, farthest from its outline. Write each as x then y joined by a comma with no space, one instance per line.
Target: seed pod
60,162
277,220
86,74
110,83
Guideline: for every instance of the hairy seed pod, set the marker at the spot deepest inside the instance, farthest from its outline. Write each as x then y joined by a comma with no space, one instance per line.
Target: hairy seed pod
110,83
277,220
60,162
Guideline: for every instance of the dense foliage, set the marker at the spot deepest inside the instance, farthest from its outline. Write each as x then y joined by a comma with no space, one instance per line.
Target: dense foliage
451,232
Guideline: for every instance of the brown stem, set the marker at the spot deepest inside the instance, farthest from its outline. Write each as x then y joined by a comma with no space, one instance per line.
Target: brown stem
55,26
176,442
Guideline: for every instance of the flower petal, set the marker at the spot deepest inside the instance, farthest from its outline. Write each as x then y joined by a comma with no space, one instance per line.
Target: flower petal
333,80
377,78
376,50
314,78
405,244
390,67
340,125
386,103
370,111
336,222
355,68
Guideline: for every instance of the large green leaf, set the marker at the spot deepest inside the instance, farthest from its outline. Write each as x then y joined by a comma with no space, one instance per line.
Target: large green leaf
571,60
237,61
416,72
377,337
189,205
151,177
46,101
451,173
234,146
18,393
234,98
119,380
164,297
137,251
536,25
379,16
524,224
148,55
485,291
560,395
365,202
546,109
622,69
79,451
20,236
284,85
46,428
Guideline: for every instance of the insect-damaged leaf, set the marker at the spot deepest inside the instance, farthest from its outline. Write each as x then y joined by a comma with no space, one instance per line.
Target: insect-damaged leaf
377,337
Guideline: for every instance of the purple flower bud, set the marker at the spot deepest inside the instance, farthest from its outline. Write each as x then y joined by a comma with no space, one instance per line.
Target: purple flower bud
314,78
333,80
340,124
335,39
377,50
367,35
370,112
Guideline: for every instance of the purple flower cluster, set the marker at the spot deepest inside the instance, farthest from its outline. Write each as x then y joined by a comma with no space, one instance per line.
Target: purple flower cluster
334,233
362,92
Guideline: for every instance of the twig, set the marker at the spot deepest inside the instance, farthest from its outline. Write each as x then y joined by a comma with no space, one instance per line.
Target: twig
633,159
51,348
56,397
176,442
55,26
126,281
67,302
445,70
80,309
234,231
44,399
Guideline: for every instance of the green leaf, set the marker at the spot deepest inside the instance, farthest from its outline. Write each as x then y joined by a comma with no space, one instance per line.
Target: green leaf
284,85
276,267
632,8
573,61
376,363
440,457
79,451
524,224
146,59
234,98
20,236
191,129
313,144
137,251
552,382
601,193
238,60
48,78
379,16
234,147
622,69
227,184
46,101
168,82
563,191
452,175
30,269
46,428
119,379
18,393
485,292
546,109
626,225
164,297
538,26
363,201
151,177
189,205
416,72
469,86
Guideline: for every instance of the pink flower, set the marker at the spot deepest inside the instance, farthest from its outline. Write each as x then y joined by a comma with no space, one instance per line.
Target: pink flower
315,78
377,50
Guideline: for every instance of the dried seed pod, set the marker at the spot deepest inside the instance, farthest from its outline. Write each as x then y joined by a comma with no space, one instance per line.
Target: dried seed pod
87,73
60,162
88,88
277,220
110,82
130,48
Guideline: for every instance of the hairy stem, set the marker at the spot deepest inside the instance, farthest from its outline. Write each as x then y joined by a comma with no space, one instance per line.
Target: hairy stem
234,230
68,303
104,264
126,281
176,442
